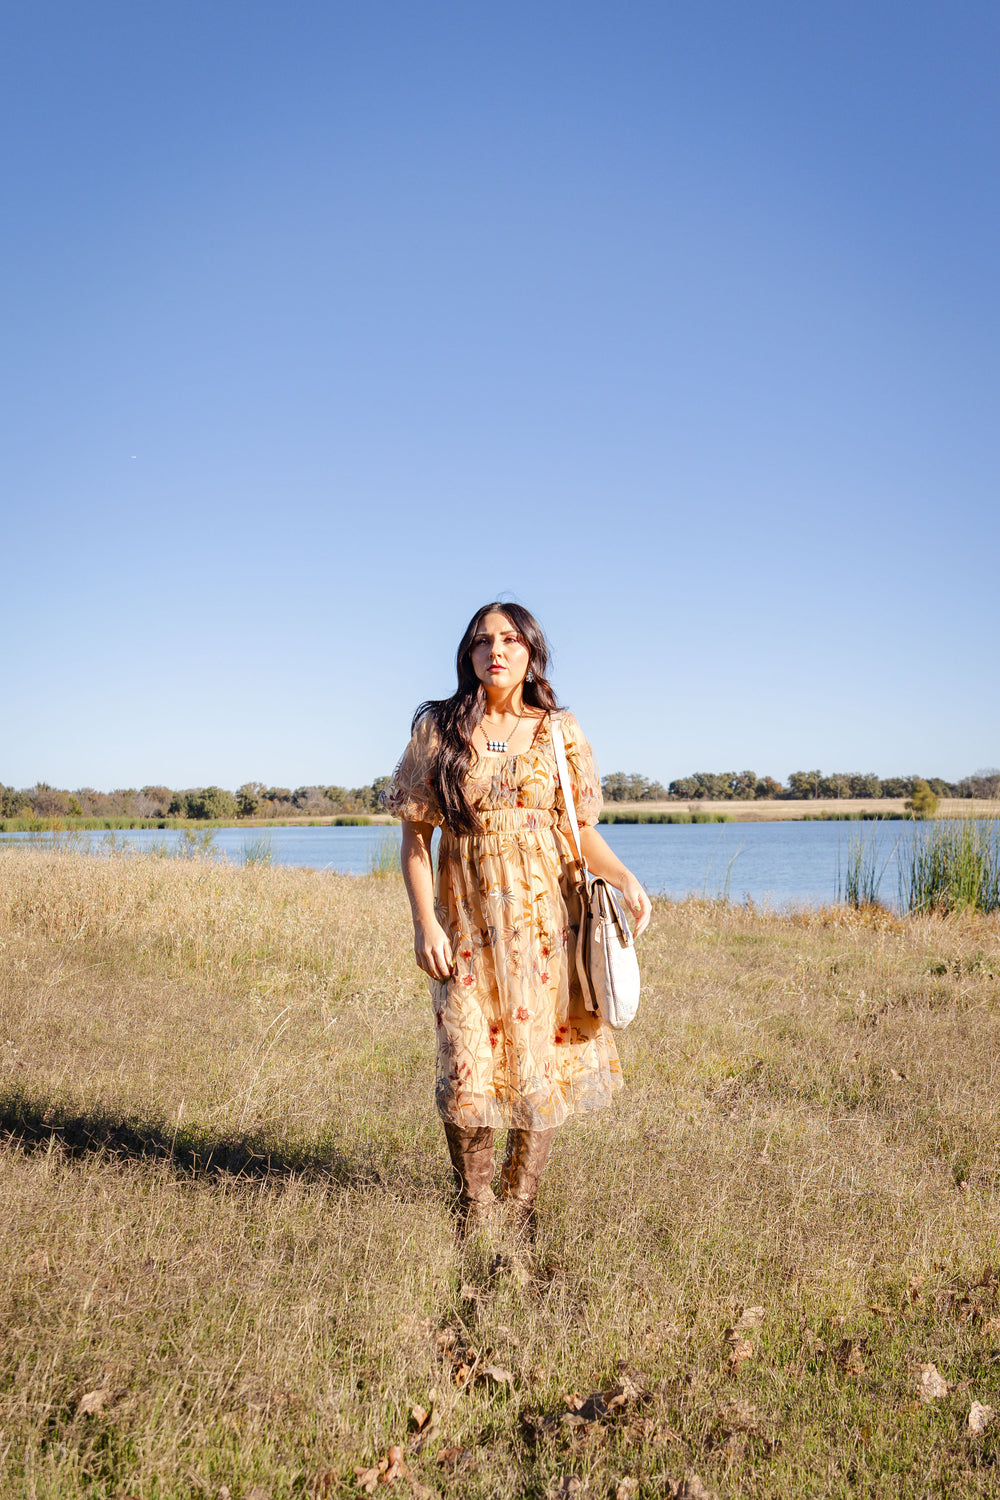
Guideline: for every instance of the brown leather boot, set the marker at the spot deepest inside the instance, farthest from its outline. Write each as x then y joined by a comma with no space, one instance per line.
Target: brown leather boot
471,1151
524,1163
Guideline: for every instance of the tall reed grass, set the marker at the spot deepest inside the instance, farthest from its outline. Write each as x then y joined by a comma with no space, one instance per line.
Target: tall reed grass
383,858
860,882
944,867
952,867
258,851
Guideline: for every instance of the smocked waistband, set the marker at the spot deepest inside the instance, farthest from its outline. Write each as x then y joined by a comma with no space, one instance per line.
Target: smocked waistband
514,821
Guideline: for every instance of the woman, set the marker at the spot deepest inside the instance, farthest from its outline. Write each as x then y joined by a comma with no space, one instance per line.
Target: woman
516,1046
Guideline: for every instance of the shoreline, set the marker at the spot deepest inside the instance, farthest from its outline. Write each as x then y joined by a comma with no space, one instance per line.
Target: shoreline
821,809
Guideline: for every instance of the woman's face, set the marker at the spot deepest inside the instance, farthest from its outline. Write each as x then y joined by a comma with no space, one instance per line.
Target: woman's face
499,656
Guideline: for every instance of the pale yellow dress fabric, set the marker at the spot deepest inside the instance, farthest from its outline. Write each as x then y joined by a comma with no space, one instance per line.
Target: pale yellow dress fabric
516,1046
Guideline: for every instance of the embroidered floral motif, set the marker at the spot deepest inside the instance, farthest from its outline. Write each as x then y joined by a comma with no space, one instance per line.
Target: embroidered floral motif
515,1043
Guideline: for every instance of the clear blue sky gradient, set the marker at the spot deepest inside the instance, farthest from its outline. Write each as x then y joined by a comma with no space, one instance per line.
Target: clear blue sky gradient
323,323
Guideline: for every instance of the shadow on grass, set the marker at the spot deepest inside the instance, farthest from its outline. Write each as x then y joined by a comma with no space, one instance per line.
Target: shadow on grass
31,1124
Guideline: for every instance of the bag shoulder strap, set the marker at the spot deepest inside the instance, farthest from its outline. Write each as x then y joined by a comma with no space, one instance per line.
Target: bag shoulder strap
559,746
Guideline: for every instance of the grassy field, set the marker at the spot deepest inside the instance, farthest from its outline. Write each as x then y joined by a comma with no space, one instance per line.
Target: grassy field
781,810
229,1266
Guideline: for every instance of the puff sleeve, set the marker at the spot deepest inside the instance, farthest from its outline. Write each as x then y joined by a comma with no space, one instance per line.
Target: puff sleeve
583,773
410,794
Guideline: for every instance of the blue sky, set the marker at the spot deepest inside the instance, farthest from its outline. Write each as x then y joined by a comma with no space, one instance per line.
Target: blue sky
324,323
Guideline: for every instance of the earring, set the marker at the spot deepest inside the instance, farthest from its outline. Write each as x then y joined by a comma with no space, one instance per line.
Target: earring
529,675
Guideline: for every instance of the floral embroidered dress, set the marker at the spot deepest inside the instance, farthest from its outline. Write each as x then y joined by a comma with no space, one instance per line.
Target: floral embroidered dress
516,1045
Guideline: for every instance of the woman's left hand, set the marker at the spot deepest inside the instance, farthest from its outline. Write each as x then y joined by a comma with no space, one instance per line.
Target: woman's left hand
637,902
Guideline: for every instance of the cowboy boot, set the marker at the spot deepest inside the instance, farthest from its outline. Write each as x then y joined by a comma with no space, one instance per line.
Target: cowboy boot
524,1163
471,1151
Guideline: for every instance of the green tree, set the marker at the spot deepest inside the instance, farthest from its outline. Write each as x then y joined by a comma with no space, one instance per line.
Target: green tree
685,787
864,784
897,786
12,803
211,802
921,803
804,783
248,798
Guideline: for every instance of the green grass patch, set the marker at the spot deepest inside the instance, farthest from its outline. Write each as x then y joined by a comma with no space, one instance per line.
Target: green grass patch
610,816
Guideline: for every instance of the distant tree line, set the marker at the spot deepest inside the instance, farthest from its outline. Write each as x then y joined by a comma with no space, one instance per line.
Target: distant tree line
255,800
746,786
252,800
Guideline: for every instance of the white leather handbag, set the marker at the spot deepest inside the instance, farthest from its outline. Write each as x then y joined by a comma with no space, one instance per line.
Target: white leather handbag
606,961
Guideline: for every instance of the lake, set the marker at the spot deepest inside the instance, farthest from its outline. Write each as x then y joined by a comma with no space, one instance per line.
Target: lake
779,864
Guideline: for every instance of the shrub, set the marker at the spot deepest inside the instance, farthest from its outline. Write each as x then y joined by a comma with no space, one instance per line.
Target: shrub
922,802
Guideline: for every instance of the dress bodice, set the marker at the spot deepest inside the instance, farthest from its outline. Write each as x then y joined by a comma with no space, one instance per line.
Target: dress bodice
504,789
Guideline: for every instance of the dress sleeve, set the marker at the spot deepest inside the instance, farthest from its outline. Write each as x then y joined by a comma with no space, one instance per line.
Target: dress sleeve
583,773
410,794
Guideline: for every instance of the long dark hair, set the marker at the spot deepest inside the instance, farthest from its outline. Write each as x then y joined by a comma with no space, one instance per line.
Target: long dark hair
457,717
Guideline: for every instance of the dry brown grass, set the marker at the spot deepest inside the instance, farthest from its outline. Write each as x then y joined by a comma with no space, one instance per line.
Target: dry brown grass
226,1203
783,809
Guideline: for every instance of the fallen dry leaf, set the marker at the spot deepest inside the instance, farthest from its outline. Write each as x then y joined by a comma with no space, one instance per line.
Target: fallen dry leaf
224,1493
627,1488
566,1485
980,1417
367,1480
914,1289
395,1466
497,1374
427,1423
740,1350
94,1401
931,1383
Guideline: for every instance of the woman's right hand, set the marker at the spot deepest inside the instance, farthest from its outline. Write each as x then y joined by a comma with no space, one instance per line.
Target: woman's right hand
432,947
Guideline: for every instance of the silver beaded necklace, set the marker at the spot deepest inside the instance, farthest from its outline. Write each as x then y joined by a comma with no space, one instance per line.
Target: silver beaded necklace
499,747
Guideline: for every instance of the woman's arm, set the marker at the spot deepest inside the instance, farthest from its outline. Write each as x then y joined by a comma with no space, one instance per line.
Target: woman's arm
431,944
603,861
